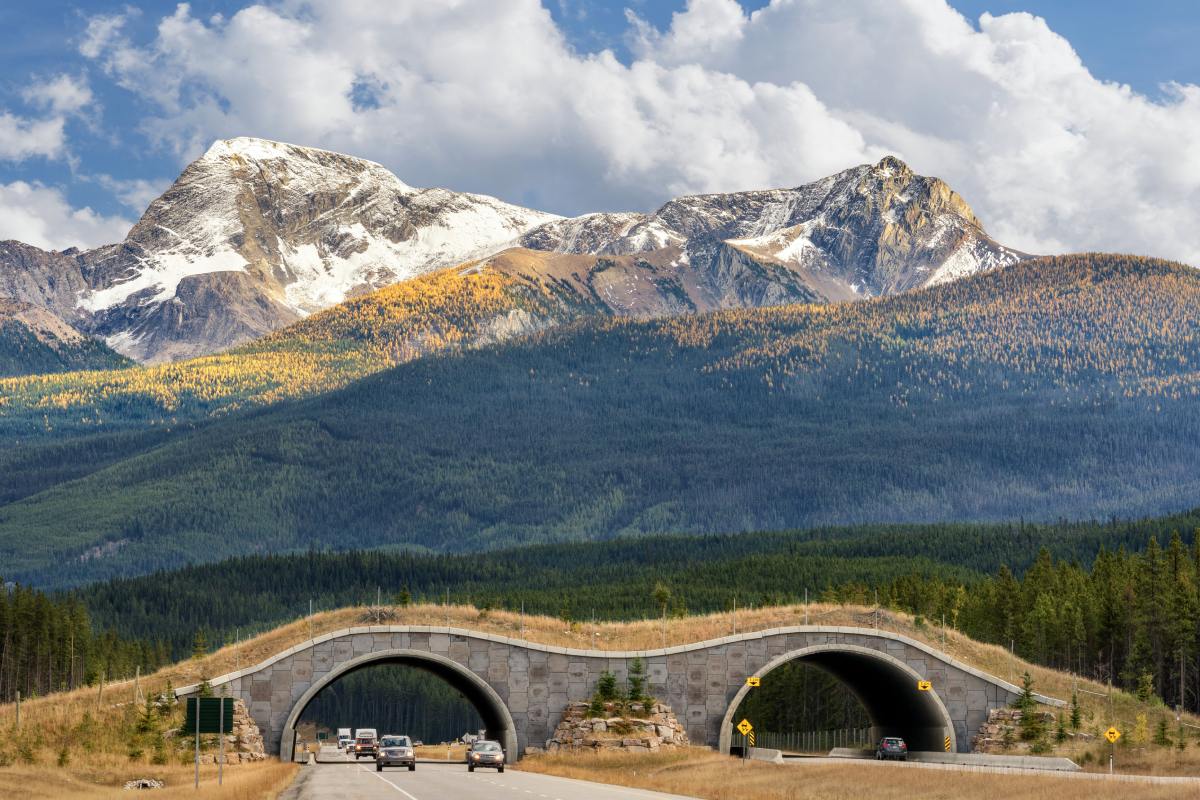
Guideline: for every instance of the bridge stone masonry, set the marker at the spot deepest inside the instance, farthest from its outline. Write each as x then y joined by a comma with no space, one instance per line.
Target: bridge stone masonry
521,688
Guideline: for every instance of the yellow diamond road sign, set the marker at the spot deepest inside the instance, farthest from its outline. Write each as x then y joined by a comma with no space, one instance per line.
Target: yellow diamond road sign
924,686
753,681
1112,734
745,727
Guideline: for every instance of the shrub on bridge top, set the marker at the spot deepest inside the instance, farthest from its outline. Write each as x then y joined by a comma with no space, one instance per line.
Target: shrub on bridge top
606,693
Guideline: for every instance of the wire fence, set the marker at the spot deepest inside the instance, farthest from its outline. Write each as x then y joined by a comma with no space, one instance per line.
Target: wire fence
809,741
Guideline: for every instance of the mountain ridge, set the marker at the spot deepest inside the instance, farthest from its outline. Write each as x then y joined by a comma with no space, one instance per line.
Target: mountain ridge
255,235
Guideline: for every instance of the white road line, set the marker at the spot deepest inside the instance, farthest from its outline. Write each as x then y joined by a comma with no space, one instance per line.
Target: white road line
389,783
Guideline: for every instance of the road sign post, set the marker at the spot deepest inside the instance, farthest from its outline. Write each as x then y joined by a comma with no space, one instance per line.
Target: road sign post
209,715
1112,734
746,730
190,701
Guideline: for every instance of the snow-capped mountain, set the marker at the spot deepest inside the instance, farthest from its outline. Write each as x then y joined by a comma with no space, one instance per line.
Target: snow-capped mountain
871,230
256,234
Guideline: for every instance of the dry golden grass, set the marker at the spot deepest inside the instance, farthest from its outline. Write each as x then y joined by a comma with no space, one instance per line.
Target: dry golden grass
105,776
55,715
434,752
698,772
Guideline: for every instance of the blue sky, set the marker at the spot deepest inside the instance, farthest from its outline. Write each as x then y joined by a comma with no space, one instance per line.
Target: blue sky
144,112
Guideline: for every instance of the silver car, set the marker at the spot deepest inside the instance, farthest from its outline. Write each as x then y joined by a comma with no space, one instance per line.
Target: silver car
485,753
395,751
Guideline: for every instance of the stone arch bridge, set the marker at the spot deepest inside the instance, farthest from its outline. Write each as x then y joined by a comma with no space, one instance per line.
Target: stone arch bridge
521,688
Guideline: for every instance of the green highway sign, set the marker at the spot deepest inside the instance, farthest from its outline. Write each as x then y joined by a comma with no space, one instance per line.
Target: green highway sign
212,720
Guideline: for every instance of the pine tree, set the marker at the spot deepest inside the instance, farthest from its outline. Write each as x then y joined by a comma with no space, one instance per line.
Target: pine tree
635,682
1161,737
199,644
1032,727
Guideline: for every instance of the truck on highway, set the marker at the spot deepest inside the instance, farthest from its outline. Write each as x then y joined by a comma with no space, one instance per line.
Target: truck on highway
365,743
345,737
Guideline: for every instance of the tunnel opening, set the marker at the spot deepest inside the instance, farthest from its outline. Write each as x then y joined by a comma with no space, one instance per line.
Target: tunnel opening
885,691
430,695
392,698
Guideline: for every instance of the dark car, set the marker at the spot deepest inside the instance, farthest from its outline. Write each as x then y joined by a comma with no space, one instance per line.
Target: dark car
395,751
891,747
485,753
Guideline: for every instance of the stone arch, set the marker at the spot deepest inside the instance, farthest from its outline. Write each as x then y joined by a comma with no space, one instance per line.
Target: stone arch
495,714
886,687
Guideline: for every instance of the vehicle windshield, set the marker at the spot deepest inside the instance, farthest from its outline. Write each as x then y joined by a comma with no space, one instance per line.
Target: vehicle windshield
395,741
366,739
487,747
893,741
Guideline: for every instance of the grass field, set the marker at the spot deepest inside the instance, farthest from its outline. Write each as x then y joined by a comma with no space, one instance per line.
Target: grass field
101,776
699,772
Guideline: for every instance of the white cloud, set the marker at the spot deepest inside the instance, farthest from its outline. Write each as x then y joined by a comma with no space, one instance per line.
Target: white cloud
486,95
22,138
62,94
41,216
27,137
135,194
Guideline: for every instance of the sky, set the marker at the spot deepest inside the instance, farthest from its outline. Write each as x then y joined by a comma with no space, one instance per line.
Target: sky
1066,125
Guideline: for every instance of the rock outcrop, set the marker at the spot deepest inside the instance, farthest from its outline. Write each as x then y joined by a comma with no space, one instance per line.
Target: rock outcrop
656,727
1001,733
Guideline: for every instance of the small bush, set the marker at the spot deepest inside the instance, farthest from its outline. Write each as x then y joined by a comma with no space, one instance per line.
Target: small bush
135,753
1161,737
64,757
6,759
1087,757
25,752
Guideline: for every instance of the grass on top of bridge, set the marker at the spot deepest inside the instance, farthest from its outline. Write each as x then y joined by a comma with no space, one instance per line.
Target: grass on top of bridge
699,772
54,720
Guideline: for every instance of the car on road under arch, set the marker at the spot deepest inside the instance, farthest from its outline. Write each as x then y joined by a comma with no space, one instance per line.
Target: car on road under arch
485,753
395,751
890,747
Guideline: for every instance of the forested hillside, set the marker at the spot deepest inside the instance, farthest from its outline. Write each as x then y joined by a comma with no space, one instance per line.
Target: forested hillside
1054,388
34,341
447,309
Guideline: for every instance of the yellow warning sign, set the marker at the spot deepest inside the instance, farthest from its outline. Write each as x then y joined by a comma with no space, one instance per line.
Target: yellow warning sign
1112,734
924,686
946,744
750,738
745,727
752,681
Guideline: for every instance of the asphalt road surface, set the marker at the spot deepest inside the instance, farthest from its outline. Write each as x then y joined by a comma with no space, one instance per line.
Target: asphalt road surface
337,778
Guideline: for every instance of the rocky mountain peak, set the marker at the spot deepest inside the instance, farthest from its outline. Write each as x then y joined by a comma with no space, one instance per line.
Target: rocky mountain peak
256,234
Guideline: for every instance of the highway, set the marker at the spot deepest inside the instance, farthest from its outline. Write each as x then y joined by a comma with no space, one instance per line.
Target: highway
336,777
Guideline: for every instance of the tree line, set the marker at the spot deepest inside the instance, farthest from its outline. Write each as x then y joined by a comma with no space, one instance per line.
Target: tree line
49,644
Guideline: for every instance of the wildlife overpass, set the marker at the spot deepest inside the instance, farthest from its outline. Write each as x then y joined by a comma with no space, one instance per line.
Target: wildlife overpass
521,688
